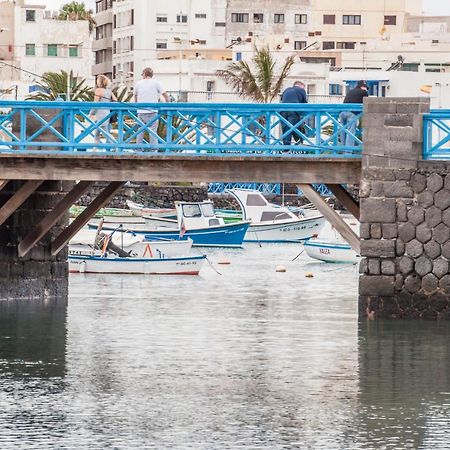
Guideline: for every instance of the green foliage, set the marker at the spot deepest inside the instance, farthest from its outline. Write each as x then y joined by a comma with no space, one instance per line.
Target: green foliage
122,95
54,85
77,11
259,80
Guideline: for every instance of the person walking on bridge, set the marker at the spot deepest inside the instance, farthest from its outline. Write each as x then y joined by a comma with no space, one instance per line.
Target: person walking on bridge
348,119
293,94
149,90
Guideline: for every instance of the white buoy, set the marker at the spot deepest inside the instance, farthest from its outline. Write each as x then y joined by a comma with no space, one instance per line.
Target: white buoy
280,269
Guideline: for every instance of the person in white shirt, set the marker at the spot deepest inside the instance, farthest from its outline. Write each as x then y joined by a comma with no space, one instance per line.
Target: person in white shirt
149,90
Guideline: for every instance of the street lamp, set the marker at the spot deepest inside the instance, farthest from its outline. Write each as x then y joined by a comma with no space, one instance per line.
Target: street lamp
68,66
180,41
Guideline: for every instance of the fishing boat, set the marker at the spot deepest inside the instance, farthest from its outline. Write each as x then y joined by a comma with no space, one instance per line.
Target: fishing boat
273,223
196,221
330,246
85,242
334,252
138,209
108,263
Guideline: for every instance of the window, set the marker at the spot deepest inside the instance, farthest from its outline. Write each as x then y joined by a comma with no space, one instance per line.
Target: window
328,45
220,24
30,15
351,20
329,19
30,49
335,89
345,45
299,45
269,216
181,19
161,44
192,211
278,18
390,20
208,210
239,17
52,50
301,19
258,18
73,51
255,200
200,16
161,19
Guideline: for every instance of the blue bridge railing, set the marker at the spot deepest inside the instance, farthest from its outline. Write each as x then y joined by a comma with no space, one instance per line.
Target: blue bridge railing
216,129
436,135
265,188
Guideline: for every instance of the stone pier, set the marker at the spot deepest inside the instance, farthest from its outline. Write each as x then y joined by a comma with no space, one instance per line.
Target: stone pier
38,275
405,216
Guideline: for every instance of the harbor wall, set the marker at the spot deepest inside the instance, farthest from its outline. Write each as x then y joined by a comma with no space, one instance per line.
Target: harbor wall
405,216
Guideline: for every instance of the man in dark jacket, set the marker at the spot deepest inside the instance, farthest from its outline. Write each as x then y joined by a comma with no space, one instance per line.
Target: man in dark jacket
293,94
348,118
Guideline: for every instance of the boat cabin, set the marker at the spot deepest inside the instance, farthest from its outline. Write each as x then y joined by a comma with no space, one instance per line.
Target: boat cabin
195,215
257,209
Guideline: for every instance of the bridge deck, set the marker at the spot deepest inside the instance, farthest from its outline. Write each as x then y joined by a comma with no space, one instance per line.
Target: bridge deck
181,168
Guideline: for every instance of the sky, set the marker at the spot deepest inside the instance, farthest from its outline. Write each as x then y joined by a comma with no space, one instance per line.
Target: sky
430,6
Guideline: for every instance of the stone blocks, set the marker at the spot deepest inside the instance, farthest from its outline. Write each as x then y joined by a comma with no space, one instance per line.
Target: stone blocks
39,275
410,202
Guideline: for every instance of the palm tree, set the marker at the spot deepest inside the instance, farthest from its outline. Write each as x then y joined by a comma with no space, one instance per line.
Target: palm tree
54,85
77,11
258,80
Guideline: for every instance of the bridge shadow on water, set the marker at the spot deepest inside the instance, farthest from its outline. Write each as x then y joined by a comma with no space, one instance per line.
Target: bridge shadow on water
404,384
32,339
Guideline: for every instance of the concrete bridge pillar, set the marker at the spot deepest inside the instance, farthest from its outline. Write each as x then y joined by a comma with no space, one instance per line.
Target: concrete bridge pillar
405,216
38,275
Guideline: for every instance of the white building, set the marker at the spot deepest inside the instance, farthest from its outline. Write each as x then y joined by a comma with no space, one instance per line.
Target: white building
40,43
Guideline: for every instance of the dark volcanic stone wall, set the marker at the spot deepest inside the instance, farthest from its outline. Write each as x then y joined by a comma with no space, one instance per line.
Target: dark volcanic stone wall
405,217
38,275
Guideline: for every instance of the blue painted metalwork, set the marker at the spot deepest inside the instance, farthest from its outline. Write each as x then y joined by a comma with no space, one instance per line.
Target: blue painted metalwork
436,135
230,235
265,188
322,189
202,128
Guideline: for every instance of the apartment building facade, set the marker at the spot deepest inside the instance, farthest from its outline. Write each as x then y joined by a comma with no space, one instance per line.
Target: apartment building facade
37,42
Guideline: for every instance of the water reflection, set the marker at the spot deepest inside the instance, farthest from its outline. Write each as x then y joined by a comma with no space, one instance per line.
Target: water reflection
32,370
404,384
32,338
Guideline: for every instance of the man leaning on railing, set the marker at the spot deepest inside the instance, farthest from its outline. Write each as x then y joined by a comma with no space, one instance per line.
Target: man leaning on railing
148,90
293,94
348,118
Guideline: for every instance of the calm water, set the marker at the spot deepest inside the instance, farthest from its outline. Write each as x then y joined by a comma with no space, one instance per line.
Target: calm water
248,359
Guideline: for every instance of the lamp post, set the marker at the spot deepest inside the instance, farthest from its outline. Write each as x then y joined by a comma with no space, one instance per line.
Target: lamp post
180,41
68,95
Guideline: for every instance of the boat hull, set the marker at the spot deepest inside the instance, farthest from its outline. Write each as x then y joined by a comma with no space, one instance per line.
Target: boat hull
291,231
333,252
229,235
145,266
136,248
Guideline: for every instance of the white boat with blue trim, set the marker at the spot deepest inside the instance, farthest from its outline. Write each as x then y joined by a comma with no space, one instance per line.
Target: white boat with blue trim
196,221
334,252
273,223
330,246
